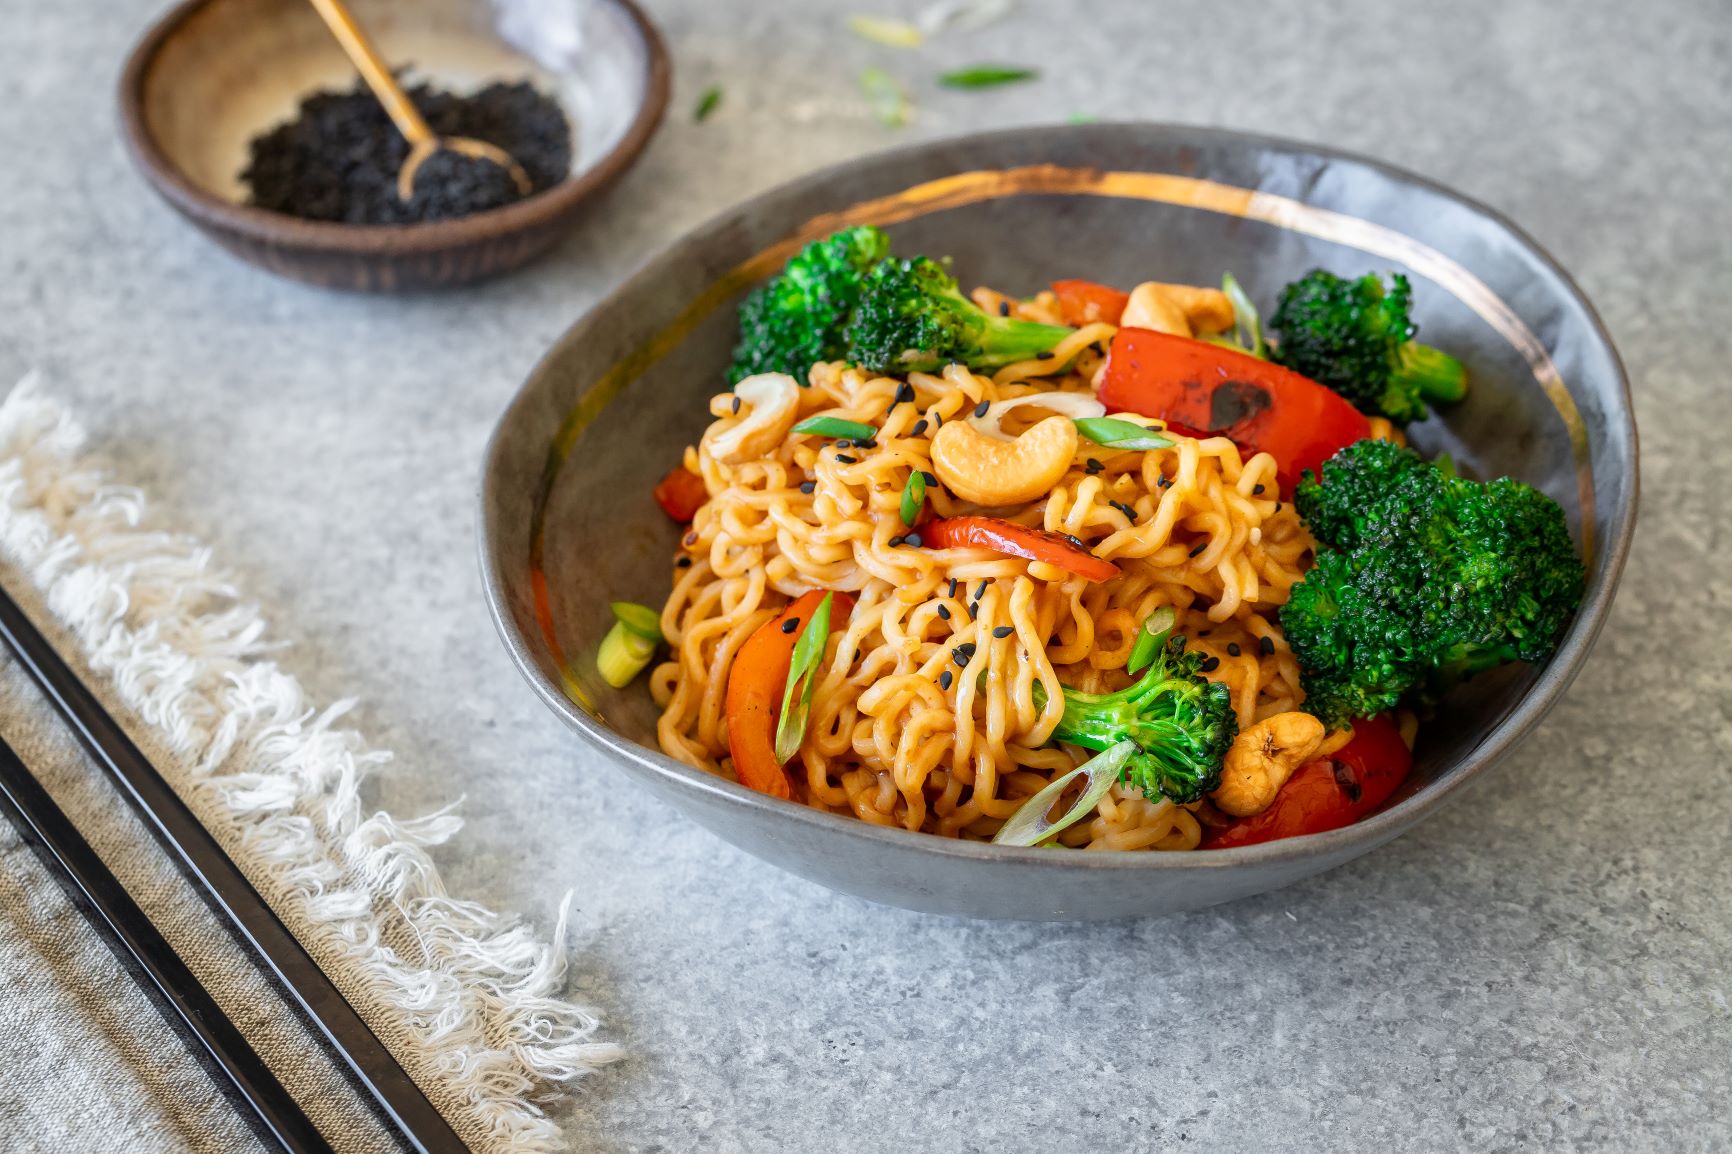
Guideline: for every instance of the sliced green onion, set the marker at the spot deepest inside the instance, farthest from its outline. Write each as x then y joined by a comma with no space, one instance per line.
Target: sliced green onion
890,33
1116,434
640,619
961,14
986,76
1150,638
1082,118
889,103
808,652
1248,326
913,496
707,103
1029,825
623,655
835,427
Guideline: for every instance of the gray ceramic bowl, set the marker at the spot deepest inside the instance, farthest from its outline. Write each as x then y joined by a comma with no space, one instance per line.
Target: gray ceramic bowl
569,523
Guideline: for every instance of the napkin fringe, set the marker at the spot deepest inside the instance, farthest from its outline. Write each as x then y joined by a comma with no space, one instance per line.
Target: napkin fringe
466,998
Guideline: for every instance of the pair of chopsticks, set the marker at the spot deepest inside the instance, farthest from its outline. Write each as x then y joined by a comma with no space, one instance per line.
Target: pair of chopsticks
185,1004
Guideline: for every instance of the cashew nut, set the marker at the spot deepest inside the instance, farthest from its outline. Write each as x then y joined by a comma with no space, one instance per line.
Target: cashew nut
1151,308
992,472
775,402
1158,306
1263,757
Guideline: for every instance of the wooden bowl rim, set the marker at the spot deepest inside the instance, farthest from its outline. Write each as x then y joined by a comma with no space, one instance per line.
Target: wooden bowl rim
166,176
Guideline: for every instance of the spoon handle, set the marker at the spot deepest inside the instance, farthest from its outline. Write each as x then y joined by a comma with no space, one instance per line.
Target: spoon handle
398,106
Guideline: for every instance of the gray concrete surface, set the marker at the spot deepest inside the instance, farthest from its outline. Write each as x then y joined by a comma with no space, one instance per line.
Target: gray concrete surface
1543,966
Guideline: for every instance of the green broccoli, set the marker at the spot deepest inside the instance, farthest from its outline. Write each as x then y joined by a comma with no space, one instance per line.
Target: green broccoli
1434,579
796,320
912,318
1336,506
1181,723
1357,338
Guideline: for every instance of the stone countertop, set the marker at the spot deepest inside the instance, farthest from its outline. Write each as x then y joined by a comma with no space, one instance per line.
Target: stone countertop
1545,963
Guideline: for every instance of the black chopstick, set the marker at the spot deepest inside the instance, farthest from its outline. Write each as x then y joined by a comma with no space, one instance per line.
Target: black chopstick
399,1102
185,1003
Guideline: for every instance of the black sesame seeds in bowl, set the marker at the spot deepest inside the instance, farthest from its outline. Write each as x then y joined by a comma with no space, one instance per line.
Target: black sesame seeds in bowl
245,117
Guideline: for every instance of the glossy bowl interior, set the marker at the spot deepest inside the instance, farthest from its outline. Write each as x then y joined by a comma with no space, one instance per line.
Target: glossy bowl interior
569,523
213,74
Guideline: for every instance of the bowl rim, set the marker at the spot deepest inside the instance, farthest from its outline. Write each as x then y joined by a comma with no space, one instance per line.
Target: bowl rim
170,182
1514,726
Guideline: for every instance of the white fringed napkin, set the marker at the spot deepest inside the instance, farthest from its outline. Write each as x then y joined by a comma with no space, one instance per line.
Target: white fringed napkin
466,998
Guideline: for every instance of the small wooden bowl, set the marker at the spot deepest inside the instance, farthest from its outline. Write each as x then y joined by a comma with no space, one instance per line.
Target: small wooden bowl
212,74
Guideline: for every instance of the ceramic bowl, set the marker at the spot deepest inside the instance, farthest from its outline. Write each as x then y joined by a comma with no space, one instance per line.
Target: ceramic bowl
569,523
212,74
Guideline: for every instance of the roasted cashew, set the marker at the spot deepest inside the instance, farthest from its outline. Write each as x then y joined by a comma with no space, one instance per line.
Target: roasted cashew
775,402
1150,307
1263,757
1158,306
992,472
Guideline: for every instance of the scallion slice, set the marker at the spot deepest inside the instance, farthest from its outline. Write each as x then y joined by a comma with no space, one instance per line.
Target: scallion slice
640,619
1029,825
889,102
1247,324
835,427
1116,434
623,655
913,496
707,103
1153,634
986,76
802,674
890,33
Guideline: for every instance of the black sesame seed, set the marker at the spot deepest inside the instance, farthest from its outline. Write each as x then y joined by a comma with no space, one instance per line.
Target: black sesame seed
1257,490
944,613
937,420
1077,541
1266,646
931,481
896,540
1045,356
963,654
980,589
1129,511
973,610
904,393
1209,665
919,429
845,459
844,443
1004,631
1161,481
1003,308
953,587
913,540
867,443
1096,346
1197,549
790,625
1232,649
1093,466
736,404
1277,506
945,678
808,487
683,563
980,409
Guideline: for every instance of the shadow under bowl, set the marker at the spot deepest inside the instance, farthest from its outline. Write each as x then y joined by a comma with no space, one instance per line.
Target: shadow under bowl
569,523
212,74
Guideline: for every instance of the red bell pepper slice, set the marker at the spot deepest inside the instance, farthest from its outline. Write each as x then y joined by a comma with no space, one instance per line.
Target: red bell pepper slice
1015,540
1203,389
1328,793
754,697
1083,302
681,494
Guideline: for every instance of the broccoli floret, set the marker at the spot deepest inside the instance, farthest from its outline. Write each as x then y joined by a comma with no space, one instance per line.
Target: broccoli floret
1438,578
797,319
1335,507
913,318
1182,725
1357,338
